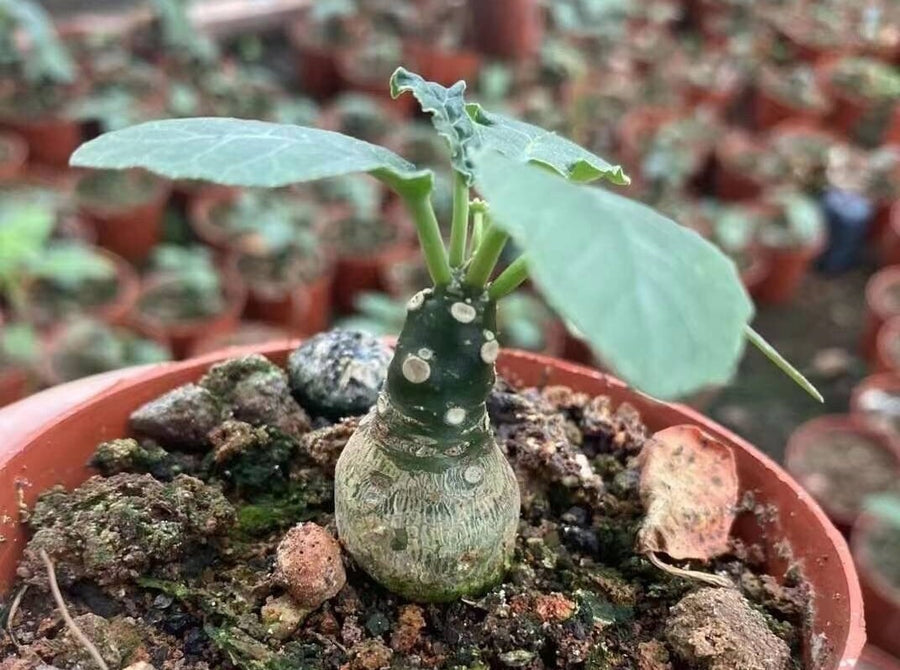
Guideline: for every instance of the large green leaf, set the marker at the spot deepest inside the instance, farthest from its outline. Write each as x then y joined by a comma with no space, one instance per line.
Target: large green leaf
447,107
237,152
524,142
662,306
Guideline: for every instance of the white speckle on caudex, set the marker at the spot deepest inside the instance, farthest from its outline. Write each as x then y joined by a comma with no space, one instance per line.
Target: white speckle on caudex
455,416
426,353
416,301
489,351
462,312
416,370
473,474
488,335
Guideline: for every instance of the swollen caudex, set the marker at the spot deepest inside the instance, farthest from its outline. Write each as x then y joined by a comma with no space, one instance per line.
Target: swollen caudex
428,449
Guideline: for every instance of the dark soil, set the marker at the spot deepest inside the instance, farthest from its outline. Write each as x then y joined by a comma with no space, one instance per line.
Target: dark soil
176,301
52,302
168,556
843,469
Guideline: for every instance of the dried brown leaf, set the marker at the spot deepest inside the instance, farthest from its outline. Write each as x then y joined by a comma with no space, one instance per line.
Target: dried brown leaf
689,487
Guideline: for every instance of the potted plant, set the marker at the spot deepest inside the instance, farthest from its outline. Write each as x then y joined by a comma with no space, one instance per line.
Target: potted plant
882,303
810,32
436,43
318,37
442,327
359,115
842,461
736,231
84,347
743,167
247,333
874,544
364,66
125,208
887,346
19,353
864,92
39,83
13,153
804,153
876,399
43,279
510,29
788,93
186,298
281,256
792,233
883,183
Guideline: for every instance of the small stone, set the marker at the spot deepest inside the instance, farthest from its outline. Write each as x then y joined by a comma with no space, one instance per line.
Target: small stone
282,617
517,658
325,445
308,564
718,629
553,607
462,312
129,455
339,373
140,665
415,370
182,417
378,624
410,622
370,655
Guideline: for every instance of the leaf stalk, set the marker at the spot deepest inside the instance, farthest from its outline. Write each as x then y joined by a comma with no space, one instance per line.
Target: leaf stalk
460,226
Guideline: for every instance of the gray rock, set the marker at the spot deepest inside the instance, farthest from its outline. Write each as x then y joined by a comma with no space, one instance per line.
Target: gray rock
182,417
339,373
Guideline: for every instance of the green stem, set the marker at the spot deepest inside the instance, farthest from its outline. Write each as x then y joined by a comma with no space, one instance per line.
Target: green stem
769,352
509,280
430,238
486,257
459,228
477,230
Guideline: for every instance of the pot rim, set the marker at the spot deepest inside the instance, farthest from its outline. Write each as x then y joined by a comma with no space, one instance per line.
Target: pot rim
838,583
800,440
880,281
887,332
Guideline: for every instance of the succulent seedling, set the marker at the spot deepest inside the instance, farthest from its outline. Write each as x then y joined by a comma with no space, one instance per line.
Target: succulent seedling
424,499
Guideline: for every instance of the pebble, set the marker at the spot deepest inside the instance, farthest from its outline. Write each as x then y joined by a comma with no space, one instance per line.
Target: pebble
308,564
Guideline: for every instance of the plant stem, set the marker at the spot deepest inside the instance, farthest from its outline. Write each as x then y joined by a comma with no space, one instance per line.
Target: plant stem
769,352
486,257
459,228
477,230
509,280
429,238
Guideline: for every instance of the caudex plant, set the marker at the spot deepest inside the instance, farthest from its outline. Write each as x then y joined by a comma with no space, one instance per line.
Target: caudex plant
425,502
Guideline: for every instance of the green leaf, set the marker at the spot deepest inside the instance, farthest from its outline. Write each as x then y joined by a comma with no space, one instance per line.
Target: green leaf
661,305
68,264
237,152
524,142
24,229
47,58
447,107
782,363
19,343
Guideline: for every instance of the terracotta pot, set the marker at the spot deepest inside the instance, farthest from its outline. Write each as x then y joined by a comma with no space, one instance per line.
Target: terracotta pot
116,311
200,209
315,64
796,522
248,333
757,271
13,154
769,110
887,346
443,66
13,385
181,337
355,79
50,141
507,28
809,434
892,132
787,268
848,110
879,307
875,659
882,599
317,317
730,181
129,230
635,130
887,382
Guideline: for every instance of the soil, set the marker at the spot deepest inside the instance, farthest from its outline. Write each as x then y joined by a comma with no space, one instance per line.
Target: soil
168,556
845,468
174,302
284,270
52,302
103,189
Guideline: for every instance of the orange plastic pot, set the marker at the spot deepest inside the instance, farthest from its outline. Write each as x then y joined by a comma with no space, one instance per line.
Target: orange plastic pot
507,28
797,532
887,346
879,307
50,141
181,337
809,434
889,240
443,66
882,599
248,333
129,231
787,268
769,111
315,64
13,154
874,658
757,271
730,181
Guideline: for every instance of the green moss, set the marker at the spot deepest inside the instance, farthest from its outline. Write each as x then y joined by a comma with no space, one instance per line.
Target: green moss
302,501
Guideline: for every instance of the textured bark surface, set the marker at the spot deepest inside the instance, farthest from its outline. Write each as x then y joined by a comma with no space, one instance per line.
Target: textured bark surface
425,501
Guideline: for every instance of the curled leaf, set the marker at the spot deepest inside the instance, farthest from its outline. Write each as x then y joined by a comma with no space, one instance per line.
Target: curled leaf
689,487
